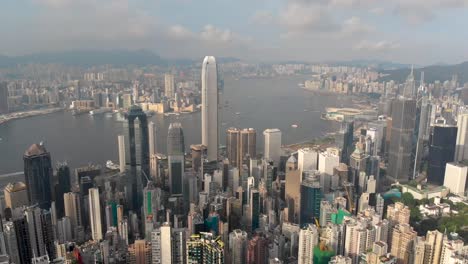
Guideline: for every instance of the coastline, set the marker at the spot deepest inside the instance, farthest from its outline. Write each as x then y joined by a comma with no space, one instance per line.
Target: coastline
20,115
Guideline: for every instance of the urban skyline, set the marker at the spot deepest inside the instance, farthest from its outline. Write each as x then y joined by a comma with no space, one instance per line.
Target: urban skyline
223,132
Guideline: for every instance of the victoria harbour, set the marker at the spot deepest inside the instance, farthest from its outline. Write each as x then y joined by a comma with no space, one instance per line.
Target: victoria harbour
253,103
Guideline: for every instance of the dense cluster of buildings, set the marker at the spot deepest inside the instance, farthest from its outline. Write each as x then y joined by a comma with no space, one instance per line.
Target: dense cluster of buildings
318,204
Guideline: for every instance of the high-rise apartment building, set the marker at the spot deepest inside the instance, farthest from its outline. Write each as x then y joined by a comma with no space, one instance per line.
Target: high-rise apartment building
95,214
139,252
272,142
257,249
72,205
209,110
398,213
205,248
238,246
433,247
169,86
308,239
11,242
403,236
38,175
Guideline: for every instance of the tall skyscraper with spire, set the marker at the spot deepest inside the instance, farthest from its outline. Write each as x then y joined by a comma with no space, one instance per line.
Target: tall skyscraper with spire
210,107
138,182
401,152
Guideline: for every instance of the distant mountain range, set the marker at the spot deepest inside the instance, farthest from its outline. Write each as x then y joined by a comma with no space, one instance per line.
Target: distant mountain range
101,57
431,73
88,57
375,64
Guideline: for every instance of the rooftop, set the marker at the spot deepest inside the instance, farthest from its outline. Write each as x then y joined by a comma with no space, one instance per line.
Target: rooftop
15,187
35,150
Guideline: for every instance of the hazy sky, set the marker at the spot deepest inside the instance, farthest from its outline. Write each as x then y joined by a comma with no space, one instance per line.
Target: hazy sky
410,31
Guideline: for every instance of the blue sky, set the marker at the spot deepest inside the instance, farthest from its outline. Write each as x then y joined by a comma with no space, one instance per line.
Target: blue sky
409,31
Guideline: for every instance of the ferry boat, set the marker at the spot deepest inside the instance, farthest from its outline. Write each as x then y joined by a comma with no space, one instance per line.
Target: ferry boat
111,166
101,110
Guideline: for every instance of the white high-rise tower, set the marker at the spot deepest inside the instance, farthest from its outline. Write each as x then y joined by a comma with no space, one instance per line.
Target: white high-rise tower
95,214
210,107
151,138
122,164
273,145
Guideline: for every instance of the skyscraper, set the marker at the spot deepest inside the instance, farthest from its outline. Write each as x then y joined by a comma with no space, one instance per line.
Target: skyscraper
238,246
22,237
455,177
272,141
461,151
247,144
152,138
34,226
311,196
441,151
38,175
308,239
122,160
205,248
232,146
433,247
240,145
423,132
254,208
72,204
403,236
169,85
95,214
257,250
401,139
346,138
63,186
137,183
139,252
11,242
16,195
3,98
176,159
210,107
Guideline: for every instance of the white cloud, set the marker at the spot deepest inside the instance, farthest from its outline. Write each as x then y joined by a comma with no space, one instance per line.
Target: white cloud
355,25
299,17
263,17
379,46
419,11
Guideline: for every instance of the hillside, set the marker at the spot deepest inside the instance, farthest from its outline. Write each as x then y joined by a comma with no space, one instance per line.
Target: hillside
431,73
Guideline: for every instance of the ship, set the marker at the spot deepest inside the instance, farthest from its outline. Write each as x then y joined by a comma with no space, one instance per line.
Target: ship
101,110
111,166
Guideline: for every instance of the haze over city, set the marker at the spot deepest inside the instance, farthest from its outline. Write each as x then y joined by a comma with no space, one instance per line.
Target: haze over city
232,132
407,31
